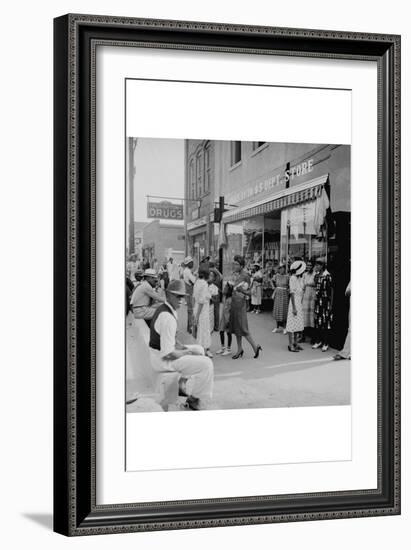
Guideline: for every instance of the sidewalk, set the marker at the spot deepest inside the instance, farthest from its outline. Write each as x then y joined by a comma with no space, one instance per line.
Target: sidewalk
278,378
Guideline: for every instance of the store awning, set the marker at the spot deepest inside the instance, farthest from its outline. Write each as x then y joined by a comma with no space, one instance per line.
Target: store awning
307,191
197,231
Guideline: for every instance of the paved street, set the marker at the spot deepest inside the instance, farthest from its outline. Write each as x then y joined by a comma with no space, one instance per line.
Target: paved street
277,378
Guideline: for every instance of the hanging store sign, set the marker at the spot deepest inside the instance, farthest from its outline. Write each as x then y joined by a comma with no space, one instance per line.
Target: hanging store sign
274,182
165,210
197,223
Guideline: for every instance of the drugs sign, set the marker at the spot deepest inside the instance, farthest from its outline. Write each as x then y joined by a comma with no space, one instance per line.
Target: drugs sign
165,210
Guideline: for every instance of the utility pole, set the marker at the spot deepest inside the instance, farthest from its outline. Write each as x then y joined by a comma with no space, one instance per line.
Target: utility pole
132,144
220,250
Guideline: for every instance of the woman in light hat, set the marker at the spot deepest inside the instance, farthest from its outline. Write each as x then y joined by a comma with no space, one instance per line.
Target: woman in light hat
295,318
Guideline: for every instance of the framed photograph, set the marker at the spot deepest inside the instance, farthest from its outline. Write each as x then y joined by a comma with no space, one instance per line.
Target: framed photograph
227,275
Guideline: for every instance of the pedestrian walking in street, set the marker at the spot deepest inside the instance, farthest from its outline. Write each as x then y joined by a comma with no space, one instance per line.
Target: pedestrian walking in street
224,326
240,282
172,270
295,320
145,300
189,280
169,356
256,288
219,283
345,353
309,297
205,263
214,298
323,305
280,298
201,312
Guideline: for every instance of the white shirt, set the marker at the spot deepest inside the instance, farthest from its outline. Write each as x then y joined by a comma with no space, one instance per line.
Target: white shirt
166,326
144,294
174,272
188,276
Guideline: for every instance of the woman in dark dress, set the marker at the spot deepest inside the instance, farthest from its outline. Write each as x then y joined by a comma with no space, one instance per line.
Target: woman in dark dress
238,325
323,305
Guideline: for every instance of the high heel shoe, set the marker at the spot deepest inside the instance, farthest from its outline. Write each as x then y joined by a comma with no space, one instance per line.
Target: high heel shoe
238,354
293,349
257,351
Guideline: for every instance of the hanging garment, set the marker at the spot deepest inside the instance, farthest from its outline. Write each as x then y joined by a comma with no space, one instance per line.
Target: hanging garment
309,217
322,204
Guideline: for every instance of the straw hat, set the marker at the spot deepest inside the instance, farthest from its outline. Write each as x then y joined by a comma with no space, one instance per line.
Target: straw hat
298,266
188,259
150,273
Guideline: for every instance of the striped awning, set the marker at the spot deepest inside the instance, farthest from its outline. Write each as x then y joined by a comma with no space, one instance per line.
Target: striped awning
287,197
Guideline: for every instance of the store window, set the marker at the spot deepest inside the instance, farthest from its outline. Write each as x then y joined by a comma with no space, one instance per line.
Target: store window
235,152
304,229
245,238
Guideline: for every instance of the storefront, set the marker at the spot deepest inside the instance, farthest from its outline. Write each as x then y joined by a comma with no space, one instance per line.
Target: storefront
282,201
294,223
290,224
198,239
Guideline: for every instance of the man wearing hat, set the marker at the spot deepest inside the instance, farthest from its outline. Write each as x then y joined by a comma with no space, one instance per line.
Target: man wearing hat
167,355
145,300
189,280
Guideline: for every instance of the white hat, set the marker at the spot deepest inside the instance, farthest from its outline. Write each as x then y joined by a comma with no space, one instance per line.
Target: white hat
150,273
298,266
188,259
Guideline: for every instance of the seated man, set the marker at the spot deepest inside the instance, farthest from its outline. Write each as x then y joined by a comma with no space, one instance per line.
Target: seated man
145,300
167,355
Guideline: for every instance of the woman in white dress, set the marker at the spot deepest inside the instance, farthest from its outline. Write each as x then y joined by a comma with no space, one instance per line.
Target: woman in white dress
256,288
295,317
201,313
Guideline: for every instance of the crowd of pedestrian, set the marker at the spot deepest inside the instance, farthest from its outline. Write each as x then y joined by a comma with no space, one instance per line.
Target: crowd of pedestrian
302,294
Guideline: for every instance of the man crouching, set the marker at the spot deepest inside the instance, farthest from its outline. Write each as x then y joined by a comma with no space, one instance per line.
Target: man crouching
167,355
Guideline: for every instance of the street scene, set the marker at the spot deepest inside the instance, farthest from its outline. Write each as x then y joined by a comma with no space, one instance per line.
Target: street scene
237,275
306,380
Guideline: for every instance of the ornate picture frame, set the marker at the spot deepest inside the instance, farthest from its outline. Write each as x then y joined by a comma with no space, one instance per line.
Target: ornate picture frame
76,40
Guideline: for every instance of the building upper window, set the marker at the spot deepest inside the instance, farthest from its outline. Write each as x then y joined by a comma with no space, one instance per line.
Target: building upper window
192,180
235,152
200,174
257,144
207,167
200,171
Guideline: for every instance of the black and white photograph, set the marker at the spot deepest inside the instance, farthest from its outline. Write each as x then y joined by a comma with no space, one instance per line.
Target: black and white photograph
237,274
229,187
